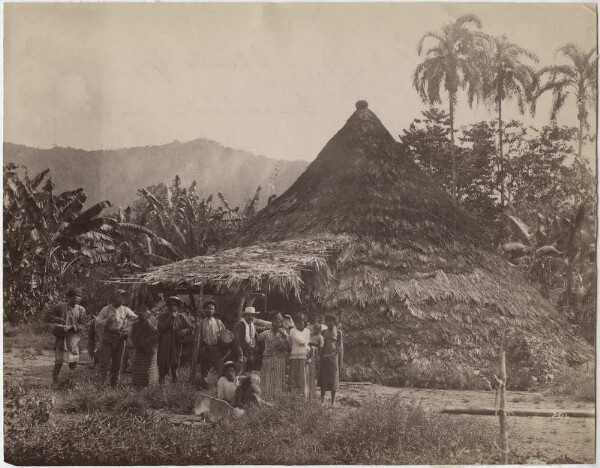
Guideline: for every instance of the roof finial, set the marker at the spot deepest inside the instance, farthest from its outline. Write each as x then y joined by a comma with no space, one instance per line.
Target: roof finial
362,104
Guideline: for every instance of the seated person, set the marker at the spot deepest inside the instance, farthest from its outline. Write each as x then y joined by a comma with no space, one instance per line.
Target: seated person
248,391
227,384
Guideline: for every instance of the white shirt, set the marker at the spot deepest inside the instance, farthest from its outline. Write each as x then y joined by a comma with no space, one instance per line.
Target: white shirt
300,341
122,314
226,389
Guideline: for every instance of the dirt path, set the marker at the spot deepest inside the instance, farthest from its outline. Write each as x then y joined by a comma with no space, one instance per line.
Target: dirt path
546,439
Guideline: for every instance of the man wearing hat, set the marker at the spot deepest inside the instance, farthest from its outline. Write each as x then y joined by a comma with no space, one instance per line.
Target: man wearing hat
66,319
112,324
211,355
174,329
244,332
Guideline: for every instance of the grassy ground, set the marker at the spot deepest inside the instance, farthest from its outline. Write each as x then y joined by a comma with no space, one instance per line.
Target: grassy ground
79,423
121,426
575,385
31,337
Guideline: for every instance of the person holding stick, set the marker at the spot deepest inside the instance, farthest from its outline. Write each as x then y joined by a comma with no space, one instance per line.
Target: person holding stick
66,319
113,322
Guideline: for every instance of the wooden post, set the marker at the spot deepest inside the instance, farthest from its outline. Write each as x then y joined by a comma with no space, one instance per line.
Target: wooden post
502,409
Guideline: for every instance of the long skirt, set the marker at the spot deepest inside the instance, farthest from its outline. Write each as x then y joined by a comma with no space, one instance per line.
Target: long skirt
312,378
330,376
298,376
272,376
145,370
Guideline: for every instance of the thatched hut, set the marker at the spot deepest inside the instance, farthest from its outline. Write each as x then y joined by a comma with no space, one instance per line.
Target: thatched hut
422,297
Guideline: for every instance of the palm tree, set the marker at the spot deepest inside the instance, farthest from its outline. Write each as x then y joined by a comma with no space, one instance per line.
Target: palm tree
452,60
507,77
578,79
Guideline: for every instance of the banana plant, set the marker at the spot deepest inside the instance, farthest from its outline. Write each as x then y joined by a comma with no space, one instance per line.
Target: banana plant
559,251
46,234
173,224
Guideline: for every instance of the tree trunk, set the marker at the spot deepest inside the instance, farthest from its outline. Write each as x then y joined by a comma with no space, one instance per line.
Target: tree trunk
501,155
580,149
452,147
501,175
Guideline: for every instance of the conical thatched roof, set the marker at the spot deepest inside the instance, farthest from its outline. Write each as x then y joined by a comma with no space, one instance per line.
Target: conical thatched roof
423,299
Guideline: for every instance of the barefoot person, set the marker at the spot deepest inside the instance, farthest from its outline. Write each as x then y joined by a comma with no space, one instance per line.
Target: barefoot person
316,343
332,357
172,326
66,319
211,354
298,372
112,321
144,335
277,347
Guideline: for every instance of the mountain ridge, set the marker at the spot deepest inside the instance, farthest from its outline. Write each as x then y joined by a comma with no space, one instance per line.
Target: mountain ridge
117,174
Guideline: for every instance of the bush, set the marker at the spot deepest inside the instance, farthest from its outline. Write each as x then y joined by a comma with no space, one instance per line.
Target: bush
24,409
578,384
121,428
109,439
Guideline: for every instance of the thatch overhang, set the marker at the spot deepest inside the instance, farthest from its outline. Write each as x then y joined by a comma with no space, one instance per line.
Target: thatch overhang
423,299
268,266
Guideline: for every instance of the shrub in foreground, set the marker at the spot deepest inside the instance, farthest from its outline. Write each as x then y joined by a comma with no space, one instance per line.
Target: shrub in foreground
577,384
293,431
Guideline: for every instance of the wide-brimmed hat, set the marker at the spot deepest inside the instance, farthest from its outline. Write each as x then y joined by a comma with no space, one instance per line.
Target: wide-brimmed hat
210,301
174,299
250,310
120,291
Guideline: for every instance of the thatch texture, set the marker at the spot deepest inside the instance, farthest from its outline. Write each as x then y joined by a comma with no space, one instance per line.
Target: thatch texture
262,267
422,298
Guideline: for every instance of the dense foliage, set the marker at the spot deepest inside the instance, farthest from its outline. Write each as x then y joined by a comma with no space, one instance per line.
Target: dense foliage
52,243
292,431
46,236
546,185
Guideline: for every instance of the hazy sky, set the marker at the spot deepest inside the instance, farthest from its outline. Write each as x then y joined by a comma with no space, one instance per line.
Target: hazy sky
276,79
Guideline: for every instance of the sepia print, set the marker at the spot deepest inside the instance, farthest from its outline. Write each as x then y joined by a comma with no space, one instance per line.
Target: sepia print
299,234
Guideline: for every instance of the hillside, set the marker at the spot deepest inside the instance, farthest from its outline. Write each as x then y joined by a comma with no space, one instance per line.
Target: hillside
117,174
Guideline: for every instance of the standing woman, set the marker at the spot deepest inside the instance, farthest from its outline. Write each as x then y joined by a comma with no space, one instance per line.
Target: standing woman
332,357
316,343
277,346
298,374
144,336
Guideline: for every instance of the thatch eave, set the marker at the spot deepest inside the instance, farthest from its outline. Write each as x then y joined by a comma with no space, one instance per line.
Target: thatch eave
268,267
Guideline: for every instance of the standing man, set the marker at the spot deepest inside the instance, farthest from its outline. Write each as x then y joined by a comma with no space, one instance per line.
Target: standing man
245,339
174,328
210,351
66,319
112,320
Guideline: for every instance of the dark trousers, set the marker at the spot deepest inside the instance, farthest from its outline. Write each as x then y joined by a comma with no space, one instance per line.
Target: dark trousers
110,356
211,357
249,364
58,366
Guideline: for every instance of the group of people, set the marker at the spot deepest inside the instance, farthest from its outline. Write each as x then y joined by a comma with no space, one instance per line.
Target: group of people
296,356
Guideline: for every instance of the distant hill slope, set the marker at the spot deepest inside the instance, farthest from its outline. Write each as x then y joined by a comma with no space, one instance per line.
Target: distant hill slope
116,175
